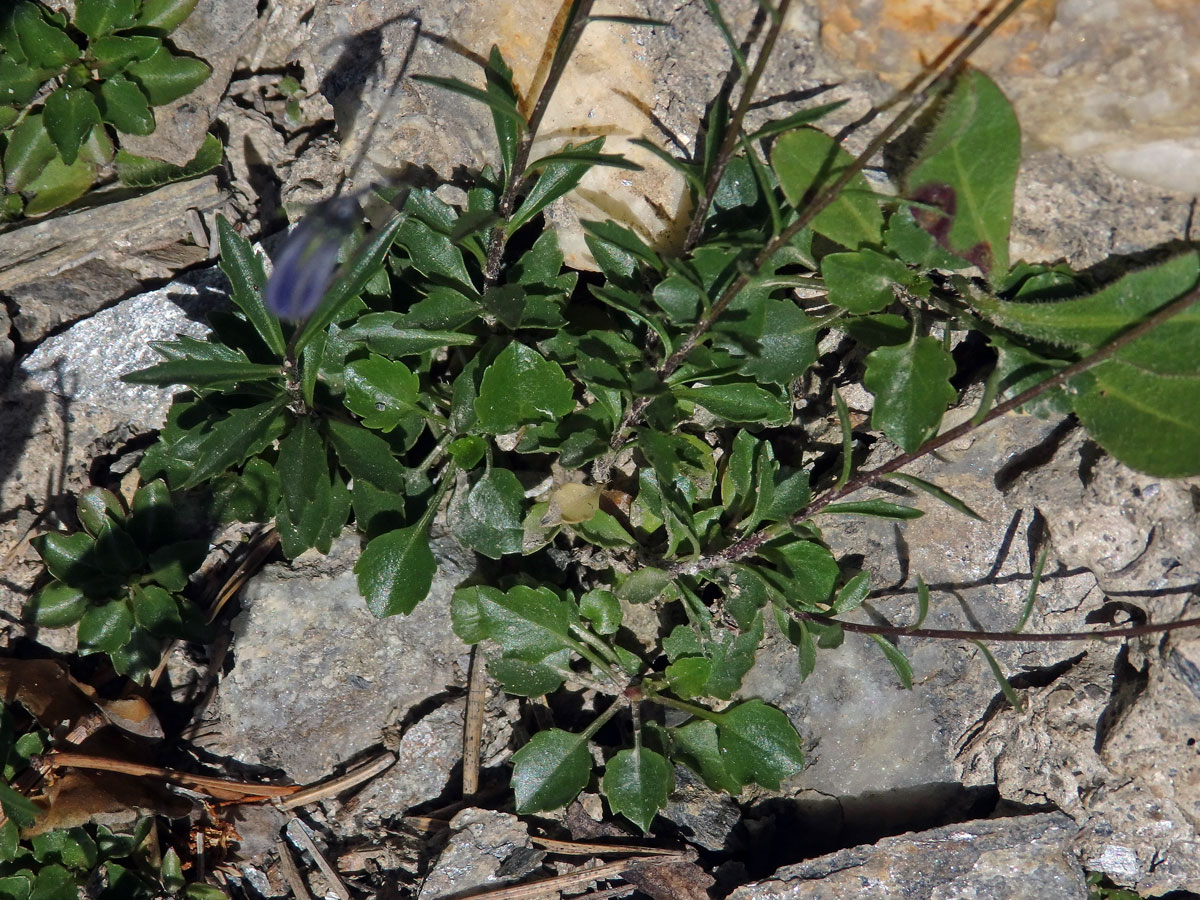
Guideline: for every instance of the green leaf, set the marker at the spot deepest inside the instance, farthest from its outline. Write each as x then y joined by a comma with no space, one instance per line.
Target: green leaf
508,128
19,84
530,679
922,602
490,518
152,517
65,555
124,106
56,606
396,569
59,184
637,783
787,346
911,384
758,744
897,658
806,161
698,747
853,594
170,565
164,15
528,623
204,373
145,171
432,252
105,628
98,510
796,120
809,570
689,676
156,610
1035,579
243,266
241,434
45,45
519,387
383,392
96,18
739,402
172,871
602,609
966,171
732,656
550,770
19,808
112,54
29,150
165,77
865,281
385,333
939,493
644,585
304,483
881,509
366,456
68,115
555,180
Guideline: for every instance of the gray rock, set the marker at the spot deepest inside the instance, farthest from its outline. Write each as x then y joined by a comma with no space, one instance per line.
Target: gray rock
317,678
481,843
1025,858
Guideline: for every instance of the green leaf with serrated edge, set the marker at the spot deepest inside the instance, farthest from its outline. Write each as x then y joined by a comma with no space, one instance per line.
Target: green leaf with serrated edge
204,373
432,252
366,456
1006,687
164,15
68,115
111,54
637,783
555,180
896,657
688,676
240,435
530,679
1087,323
499,105
105,628
350,281
644,585
156,610
57,605
249,496
939,493
853,593
911,384
967,169
243,266
166,77
732,656
758,744
697,747
550,770
19,84
144,171
738,402
807,160
304,479
395,570
96,18
1149,422
922,602
527,623
880,509
44,44
507,303
863,282
796,120
381,391
321,523
172,564
521,387
59,184
489,518
787,346
383,333
602,609
124,106
29,150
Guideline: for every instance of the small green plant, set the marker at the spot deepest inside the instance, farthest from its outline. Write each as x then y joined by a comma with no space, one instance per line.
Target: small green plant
454,368
67,87
63,863
121,579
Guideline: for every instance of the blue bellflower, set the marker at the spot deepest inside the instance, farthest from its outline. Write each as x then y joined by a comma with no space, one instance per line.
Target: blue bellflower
305,262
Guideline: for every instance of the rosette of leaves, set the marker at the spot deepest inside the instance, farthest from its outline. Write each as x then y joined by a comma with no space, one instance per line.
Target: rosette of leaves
67,86
120,581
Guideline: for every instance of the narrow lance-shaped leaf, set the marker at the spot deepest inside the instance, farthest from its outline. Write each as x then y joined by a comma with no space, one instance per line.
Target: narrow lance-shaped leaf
247,277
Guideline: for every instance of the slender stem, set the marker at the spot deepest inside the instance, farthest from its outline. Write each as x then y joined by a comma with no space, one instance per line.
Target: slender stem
600,721
935,85
598,645
733,130
577,19
698,711
751,544
1001,636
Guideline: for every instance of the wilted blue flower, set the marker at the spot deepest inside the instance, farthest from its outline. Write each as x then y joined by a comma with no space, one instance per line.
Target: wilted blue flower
304,264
